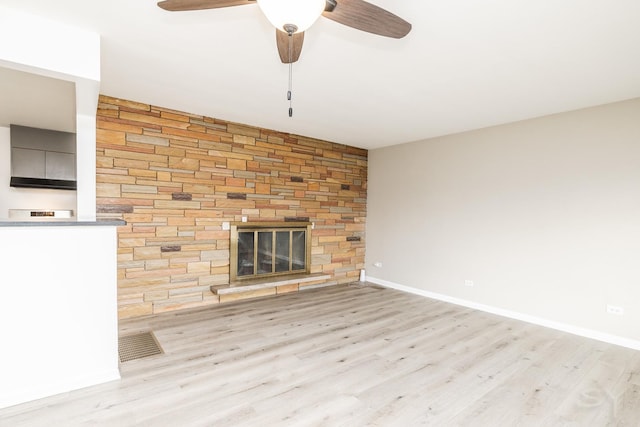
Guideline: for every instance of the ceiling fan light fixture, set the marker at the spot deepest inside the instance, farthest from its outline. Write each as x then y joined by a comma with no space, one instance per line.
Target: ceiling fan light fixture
297,13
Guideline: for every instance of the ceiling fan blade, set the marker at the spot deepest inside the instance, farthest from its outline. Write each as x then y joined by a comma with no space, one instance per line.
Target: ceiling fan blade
365,16
181,5
282,40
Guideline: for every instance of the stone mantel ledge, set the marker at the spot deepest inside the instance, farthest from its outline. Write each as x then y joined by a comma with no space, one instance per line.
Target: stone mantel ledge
265,283
63,223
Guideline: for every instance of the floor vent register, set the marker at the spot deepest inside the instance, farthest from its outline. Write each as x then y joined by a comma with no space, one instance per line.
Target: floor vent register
137,346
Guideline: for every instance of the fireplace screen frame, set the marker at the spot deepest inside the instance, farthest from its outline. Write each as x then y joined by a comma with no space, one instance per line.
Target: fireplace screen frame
267,227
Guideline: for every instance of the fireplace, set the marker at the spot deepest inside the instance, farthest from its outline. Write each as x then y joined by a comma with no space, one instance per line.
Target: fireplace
269,249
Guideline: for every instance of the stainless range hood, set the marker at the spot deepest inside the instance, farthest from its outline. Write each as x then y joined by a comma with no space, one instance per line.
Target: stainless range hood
42,158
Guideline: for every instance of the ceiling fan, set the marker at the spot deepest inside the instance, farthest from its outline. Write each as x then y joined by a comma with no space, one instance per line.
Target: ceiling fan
292,17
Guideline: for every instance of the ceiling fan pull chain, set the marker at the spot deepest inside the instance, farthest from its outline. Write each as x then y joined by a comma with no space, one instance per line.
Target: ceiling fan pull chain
290,73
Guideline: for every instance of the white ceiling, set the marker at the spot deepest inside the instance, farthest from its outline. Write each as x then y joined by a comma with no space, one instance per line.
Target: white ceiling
465,65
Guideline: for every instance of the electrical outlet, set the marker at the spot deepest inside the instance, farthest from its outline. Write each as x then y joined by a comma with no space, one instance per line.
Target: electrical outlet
377,264
612,309
468,283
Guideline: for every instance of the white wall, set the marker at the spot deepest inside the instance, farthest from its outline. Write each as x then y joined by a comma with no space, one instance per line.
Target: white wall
58,320
542,215
26,198
87,93
59,312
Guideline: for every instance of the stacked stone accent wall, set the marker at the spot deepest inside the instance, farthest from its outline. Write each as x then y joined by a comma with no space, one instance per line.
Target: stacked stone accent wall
176,177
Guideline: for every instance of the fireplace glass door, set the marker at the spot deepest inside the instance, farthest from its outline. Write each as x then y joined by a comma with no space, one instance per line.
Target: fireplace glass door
269,251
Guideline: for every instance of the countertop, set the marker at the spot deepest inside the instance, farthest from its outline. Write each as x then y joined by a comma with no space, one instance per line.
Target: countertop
62,223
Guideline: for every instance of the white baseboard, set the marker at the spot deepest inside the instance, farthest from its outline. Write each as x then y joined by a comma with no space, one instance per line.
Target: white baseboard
575,330
32,392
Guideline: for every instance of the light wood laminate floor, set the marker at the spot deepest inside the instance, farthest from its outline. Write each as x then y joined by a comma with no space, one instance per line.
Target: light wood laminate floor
353,355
